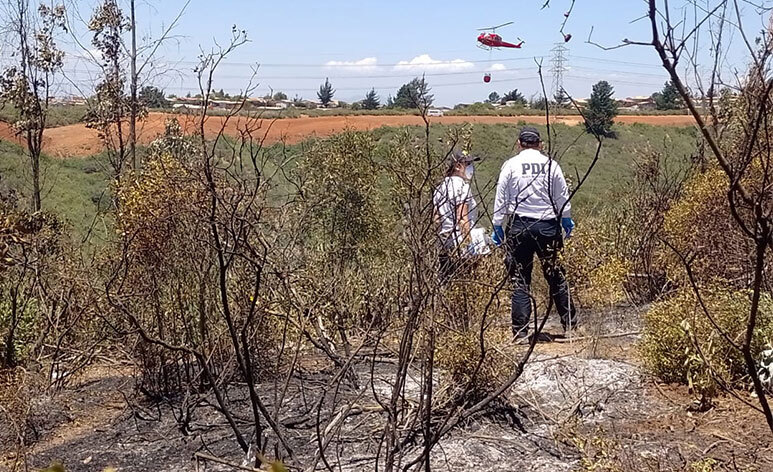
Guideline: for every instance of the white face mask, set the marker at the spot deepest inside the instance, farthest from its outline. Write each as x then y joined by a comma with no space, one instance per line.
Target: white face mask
468,171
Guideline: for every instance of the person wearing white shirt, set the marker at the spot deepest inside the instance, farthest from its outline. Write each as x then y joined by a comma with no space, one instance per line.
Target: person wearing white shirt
532,200
456,211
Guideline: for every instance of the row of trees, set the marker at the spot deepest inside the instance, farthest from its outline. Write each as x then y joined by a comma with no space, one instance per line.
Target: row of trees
601,108
511,96
666,99
414,94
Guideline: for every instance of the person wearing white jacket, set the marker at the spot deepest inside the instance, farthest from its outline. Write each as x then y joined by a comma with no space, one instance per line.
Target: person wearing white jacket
456,211
532,201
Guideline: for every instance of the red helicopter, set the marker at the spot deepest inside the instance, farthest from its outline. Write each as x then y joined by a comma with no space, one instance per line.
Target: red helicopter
492,40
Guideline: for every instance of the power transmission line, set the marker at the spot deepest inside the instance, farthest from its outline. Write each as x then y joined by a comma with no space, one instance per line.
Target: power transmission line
406,64
351,89
620,72
322,76
613,61
347,65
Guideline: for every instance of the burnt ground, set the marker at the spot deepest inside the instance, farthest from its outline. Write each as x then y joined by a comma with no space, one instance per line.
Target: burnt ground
581,405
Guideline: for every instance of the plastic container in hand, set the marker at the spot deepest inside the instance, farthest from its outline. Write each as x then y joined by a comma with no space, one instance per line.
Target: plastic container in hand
479,242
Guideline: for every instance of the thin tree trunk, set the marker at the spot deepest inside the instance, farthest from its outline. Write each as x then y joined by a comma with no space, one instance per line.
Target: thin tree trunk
34,151
33,143
751,364
133,86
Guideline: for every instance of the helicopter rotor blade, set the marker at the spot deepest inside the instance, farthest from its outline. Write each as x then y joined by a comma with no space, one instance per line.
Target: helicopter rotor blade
496,27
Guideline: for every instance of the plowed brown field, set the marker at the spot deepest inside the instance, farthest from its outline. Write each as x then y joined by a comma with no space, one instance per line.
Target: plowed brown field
77,140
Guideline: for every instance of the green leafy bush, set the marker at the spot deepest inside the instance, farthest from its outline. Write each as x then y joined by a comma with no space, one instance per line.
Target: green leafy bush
682,345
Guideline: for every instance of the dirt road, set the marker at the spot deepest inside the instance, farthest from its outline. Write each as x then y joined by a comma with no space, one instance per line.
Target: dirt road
77,140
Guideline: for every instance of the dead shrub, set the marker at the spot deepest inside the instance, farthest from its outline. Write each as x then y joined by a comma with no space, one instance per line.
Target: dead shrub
46,305
31,254
22,409
165,276
471,312
473,373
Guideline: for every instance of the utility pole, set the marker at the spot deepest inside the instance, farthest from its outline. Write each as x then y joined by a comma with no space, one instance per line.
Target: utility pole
558,67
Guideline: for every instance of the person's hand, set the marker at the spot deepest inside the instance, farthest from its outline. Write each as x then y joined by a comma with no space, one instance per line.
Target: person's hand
568,225
498,236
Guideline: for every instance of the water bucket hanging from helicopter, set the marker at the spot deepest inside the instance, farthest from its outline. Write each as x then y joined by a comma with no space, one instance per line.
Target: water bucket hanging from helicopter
487,77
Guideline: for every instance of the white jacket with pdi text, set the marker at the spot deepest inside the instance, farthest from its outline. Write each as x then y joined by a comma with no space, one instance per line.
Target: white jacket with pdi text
531,185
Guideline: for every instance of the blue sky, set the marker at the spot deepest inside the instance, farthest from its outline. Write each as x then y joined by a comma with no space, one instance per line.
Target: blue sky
364,44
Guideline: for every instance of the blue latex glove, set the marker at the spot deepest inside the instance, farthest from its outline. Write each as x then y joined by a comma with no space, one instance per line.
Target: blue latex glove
498,236
568,225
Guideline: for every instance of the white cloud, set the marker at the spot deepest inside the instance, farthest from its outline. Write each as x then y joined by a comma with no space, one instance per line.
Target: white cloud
363,65
497,67
426,63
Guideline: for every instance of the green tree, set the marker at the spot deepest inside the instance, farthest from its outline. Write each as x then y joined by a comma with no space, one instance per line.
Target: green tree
493,97
153,97
414,94
326,93
668,98
112,108
602,110
538,103
371,101
514,96
280,96
27,84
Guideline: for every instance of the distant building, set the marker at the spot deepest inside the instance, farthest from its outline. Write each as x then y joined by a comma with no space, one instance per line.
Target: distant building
230,104
68,100
637,104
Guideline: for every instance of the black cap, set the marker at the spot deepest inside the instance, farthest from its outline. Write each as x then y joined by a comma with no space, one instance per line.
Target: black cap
529,134
462,157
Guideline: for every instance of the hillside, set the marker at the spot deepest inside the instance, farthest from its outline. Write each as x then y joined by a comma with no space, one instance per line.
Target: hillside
78,140
74,185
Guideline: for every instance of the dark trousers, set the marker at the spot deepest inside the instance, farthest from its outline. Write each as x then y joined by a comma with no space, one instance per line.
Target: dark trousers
525,238
453,265
448,264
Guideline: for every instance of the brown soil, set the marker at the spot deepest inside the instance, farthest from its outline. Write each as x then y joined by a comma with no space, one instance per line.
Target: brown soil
77,140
